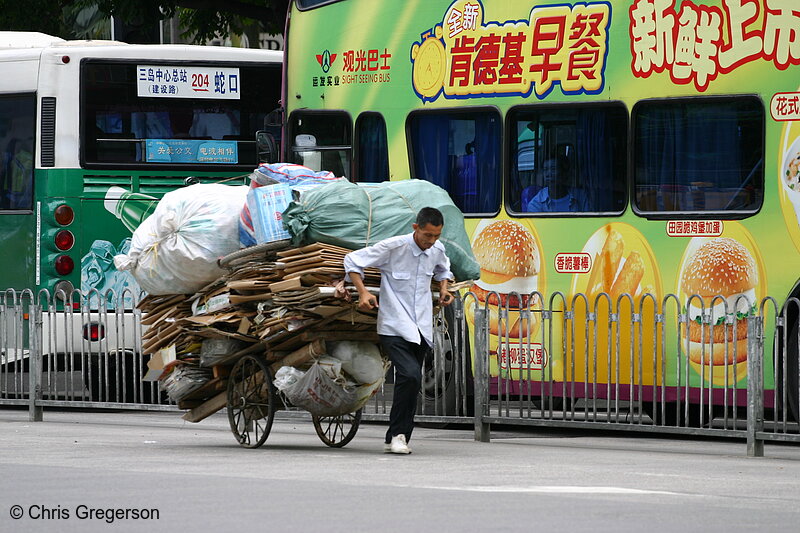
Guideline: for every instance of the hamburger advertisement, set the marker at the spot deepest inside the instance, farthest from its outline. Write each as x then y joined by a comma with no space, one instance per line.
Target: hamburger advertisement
510,259
720,284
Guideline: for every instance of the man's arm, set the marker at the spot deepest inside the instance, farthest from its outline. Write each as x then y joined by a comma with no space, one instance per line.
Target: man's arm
354,265
445,296
366,300
442,274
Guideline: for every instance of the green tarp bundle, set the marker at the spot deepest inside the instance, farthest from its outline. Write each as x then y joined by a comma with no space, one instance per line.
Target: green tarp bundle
358,215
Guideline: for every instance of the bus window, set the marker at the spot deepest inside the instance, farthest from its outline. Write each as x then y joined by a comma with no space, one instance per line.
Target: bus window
371,148
321,140
17,128
698,156
567,159
122,128
460,152
303,5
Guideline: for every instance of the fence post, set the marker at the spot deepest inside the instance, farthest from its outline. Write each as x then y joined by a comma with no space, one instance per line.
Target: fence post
755,386
481,374
35,362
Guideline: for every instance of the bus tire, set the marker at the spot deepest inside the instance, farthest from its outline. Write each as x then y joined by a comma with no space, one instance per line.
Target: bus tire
790,357
440,387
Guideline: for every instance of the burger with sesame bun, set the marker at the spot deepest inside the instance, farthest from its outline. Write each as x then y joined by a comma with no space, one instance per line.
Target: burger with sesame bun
509,260
723,273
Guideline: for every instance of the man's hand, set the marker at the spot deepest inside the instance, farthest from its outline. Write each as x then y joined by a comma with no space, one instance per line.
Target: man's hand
445,297
367,301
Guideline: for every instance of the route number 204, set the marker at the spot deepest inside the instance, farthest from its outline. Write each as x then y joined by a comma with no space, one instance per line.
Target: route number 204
199,82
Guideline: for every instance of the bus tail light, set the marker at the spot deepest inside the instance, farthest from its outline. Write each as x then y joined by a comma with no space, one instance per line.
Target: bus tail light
64,240
94,331
63,291
64,265
64,215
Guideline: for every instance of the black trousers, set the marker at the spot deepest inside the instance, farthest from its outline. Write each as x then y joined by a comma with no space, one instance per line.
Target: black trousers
406,357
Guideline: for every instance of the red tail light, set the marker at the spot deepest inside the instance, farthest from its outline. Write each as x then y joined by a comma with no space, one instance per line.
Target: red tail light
64,215
94,331
64,240
64,265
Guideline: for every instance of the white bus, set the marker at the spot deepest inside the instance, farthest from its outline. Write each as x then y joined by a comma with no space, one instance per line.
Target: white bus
92,133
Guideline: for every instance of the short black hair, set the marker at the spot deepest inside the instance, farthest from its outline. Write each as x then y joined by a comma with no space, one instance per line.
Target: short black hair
429,215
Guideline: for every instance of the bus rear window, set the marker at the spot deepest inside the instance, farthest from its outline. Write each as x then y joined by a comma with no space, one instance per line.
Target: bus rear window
17,128
460,152
567,159
122,127
698,156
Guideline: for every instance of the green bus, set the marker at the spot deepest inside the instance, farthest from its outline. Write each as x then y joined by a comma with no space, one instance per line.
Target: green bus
597,148
92,134
94,131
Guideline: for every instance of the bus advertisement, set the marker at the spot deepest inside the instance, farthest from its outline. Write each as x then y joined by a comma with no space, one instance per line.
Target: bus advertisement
610,147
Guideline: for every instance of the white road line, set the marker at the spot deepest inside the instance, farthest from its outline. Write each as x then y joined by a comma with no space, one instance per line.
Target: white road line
557,490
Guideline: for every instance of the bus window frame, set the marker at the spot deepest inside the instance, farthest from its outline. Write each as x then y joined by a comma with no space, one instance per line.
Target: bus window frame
695,215
315,6
155,167
460,111
356,164
291,148
34,154
509,124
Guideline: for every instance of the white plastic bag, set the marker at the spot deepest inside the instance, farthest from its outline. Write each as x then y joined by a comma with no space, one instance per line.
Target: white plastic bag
332,367
175,250
286,376
360,359
318,394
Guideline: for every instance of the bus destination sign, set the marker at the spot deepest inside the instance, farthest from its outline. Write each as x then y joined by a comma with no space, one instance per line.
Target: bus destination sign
163,81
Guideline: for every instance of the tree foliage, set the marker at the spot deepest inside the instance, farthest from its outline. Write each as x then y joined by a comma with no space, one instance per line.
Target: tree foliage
200,20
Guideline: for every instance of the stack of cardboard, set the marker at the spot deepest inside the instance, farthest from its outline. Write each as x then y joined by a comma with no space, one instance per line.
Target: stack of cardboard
282,304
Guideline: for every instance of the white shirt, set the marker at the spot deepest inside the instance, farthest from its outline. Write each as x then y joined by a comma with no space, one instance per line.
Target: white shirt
405,307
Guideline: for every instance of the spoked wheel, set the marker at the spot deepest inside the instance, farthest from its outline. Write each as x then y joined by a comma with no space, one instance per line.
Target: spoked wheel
337,431
251,401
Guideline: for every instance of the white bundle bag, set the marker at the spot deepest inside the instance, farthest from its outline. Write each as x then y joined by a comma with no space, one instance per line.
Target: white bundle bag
175,250
362,360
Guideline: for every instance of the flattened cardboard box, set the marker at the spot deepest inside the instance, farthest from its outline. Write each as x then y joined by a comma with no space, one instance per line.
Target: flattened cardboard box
158,361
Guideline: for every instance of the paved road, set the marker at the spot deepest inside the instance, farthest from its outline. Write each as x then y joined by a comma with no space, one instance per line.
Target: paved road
196,478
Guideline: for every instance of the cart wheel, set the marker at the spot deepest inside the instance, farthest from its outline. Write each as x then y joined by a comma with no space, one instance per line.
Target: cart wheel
337,431
251,401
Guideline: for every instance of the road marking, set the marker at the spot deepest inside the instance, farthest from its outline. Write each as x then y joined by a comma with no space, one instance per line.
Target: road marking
558,490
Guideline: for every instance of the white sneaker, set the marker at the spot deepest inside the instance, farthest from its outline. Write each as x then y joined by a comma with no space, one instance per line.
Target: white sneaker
398,445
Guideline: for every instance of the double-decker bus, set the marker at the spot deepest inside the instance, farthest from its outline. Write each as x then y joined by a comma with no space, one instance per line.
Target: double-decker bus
597,149
92,134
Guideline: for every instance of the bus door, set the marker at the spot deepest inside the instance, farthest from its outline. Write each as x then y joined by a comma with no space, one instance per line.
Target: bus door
17,210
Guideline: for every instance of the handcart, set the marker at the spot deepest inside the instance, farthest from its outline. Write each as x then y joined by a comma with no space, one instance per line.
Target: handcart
253,401
251,397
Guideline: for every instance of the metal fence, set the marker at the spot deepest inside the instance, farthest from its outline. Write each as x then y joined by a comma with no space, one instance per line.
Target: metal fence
667,366
77,350
632,364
